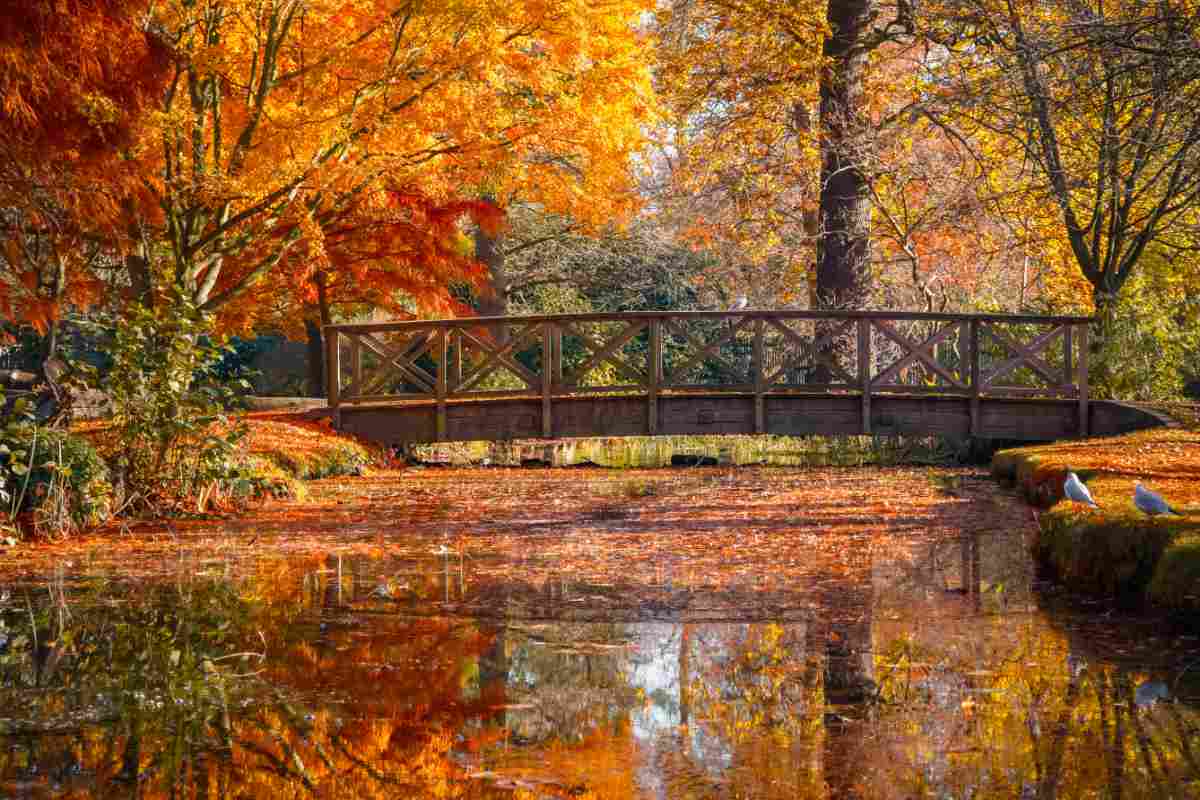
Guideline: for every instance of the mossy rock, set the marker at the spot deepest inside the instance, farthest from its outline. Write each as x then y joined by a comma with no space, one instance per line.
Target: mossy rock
1176,580
1112,557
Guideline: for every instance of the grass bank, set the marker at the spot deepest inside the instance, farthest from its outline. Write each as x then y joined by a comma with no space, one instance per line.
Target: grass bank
1116,550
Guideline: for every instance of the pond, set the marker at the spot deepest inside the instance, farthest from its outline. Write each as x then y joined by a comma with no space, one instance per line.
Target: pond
690,633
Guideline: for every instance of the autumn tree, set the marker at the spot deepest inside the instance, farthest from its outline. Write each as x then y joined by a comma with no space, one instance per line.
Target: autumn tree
1103,101
775,118
75,80
311,138
555,265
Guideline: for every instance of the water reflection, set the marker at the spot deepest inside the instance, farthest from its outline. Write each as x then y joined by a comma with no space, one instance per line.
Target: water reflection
937,676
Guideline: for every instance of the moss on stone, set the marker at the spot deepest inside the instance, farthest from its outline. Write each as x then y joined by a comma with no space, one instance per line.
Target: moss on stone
1116,551
1176,580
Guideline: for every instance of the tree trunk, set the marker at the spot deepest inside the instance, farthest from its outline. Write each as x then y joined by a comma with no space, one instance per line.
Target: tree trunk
316,359
685,674
493,300
1099,366
316,338
844,251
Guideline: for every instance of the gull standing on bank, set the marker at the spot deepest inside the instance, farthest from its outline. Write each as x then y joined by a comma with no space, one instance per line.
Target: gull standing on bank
1150,502
1074,489
741,303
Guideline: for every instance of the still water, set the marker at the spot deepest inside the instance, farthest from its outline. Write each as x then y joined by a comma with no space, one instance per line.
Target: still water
506,656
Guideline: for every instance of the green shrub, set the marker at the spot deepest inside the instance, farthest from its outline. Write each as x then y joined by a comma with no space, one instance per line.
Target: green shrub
57,477
171,440
70,486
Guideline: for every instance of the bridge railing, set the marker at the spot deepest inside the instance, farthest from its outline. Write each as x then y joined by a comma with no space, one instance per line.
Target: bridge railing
762,353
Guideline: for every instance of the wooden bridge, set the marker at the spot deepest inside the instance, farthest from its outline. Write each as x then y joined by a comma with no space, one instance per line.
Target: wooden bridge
735,372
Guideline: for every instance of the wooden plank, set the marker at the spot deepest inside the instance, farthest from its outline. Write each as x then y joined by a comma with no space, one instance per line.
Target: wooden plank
756,365
811,349
653,376
973,355
727,388
1032,391
443,361
569,390
456,363
707,350
1083,380
404,399
547,377
878,389
918,352
1023,354
785,414
557,360
497,356
685,315
864,372
356,365
605,352
809,388
396,363
1068,356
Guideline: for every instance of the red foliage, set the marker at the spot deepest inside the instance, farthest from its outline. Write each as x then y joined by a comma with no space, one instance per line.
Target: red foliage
75,74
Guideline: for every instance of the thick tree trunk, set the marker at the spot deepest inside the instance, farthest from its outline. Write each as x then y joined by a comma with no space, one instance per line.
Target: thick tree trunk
844,252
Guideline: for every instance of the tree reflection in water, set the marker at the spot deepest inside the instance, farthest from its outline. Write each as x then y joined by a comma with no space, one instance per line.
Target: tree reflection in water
941,678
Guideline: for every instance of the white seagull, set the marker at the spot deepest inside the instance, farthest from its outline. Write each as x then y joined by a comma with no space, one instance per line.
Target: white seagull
1075,490
1151,503
741,303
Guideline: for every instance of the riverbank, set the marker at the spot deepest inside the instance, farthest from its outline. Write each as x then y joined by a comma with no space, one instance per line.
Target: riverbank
1116,550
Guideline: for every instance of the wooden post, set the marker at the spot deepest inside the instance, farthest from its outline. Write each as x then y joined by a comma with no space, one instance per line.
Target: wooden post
356,365
864,372
557,362
760,422
333,367
973,346
443,369
1068,363
653,375
1083,379
456,361
547,378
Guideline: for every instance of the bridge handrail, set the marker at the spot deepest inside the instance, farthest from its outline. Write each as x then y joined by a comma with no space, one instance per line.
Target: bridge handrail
862,352
616,316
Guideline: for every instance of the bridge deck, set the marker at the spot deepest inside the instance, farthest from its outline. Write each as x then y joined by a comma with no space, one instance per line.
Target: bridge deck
785,372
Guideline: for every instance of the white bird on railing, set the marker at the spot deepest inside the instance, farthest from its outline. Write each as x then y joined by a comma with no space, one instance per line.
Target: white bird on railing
1150,502
1075,490
741,303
